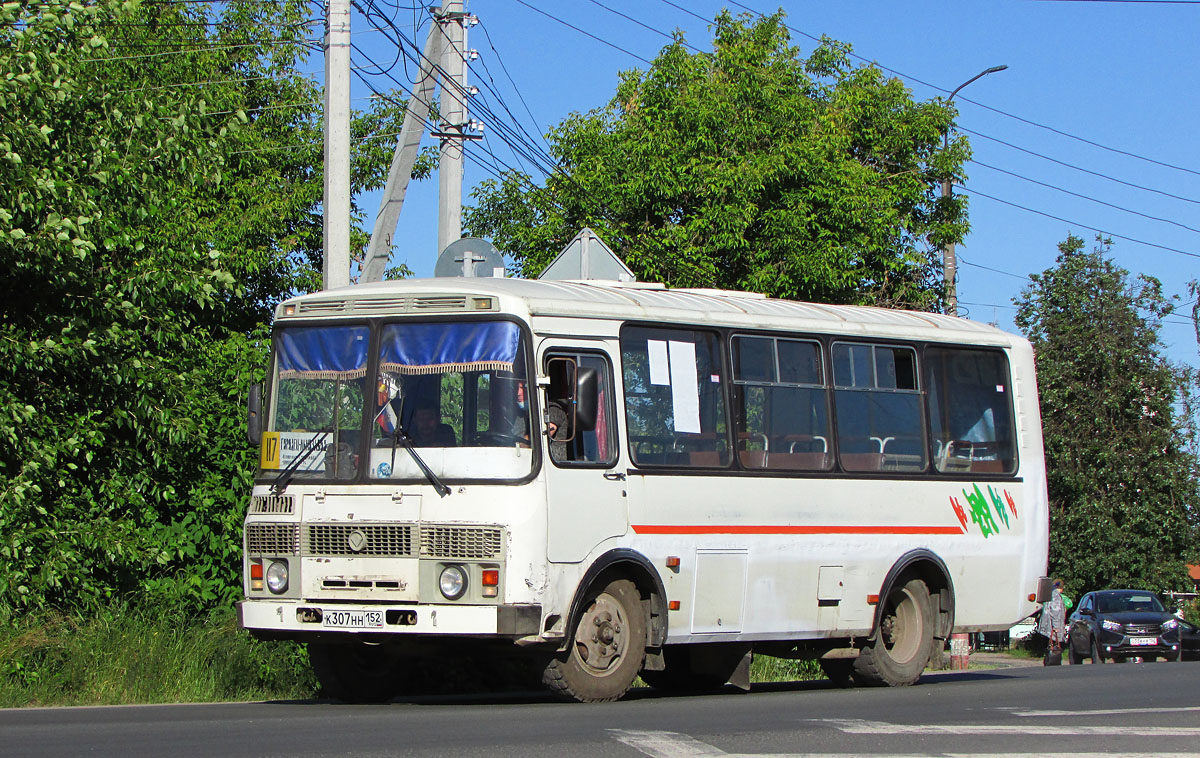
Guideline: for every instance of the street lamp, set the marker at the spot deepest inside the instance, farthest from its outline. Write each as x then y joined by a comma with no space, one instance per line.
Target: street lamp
949,262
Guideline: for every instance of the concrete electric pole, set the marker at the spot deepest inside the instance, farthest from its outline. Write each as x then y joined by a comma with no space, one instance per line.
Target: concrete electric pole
335,266
454,122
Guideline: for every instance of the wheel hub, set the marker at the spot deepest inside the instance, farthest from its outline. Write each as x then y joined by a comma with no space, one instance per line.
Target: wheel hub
600,641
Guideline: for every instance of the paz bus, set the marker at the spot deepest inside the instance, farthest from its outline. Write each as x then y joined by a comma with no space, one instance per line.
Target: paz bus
729,474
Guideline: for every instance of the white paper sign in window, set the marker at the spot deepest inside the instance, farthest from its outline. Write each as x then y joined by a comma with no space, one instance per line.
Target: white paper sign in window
656,351
685,394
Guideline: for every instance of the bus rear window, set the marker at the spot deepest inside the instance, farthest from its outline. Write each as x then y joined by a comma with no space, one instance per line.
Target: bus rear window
970,411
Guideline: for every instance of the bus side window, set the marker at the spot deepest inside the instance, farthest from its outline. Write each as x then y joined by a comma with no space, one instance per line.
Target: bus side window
594,446
780,408
878,407
970,411
674,405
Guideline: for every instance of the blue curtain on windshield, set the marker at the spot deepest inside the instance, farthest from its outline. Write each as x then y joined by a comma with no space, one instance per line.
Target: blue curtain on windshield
324,352
439,348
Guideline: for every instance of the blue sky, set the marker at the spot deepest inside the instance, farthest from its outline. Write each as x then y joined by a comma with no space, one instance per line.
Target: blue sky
1107,87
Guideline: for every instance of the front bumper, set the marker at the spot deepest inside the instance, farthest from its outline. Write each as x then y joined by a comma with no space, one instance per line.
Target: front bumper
295,619
1114,644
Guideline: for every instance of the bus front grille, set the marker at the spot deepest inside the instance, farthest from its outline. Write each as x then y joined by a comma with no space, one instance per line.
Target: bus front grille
273,539
460,542
359,539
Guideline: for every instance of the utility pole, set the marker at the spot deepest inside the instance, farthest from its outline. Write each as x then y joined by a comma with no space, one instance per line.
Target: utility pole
949,259
454,122
335,267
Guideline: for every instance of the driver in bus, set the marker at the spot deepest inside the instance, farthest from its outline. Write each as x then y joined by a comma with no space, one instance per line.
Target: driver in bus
429,431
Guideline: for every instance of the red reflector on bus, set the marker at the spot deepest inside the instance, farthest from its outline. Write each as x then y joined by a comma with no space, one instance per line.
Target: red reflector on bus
491,577
872,599
1032,597
673,605
256,570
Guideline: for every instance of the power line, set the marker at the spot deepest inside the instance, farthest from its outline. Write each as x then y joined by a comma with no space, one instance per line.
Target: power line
601,40
1076,223
963,98
1079,168
1085,197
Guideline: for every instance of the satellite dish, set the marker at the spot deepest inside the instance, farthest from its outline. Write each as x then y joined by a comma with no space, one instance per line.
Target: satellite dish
470,256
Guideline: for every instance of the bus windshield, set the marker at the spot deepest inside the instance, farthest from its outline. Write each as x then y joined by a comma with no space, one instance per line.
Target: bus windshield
455,390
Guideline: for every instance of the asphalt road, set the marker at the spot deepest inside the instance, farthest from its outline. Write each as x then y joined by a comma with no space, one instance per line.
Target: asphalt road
1077,711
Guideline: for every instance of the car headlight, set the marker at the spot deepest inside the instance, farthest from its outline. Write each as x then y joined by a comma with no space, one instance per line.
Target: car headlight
277,577
453,582
1170,624
1111,626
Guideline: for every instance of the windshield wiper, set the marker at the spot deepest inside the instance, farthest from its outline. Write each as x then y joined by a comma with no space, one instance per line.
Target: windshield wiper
399,436
285,477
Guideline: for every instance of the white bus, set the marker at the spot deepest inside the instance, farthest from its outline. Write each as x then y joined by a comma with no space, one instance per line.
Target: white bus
729,474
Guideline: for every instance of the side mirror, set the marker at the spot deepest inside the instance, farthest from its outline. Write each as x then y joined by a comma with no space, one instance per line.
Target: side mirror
254,415
587,397
1086,612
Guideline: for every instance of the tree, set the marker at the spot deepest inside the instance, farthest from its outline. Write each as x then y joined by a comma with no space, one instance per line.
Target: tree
160,192
1122,484
749,167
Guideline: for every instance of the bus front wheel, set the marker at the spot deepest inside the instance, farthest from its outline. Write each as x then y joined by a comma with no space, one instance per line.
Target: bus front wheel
606,649
904,640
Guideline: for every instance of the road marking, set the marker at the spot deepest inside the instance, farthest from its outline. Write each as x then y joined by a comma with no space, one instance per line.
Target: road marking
860,726
676,745
1108,712
665,744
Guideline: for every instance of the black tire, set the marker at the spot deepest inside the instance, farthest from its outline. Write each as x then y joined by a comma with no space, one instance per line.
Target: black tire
689,669
903,642
1097,656
839,671
1073,656
606,649
355,672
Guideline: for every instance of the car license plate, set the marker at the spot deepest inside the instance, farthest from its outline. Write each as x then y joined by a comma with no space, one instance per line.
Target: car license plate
1143,640
351,619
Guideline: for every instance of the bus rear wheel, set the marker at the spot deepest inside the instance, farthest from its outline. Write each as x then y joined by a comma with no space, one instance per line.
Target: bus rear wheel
904,640
606,649
355,672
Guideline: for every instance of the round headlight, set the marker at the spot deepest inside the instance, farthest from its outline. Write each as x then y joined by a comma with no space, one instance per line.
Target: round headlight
277,577
453,582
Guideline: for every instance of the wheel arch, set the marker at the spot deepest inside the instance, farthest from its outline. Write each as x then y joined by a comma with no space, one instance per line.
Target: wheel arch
632,565
929,568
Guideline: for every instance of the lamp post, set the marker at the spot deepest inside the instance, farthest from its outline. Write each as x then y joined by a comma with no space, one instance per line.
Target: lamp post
949,262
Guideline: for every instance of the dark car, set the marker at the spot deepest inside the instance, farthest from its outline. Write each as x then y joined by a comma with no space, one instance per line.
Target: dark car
1122,624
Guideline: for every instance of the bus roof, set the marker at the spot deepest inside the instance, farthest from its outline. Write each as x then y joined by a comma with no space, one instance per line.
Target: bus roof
642,301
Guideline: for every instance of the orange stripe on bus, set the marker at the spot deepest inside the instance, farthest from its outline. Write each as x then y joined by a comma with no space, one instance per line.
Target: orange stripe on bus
735,529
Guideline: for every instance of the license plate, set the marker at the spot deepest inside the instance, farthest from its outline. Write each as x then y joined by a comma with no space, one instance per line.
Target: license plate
1143,640
351,619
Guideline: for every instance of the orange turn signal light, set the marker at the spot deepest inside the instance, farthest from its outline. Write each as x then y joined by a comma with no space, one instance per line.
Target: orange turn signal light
672,561
256,570
1032,596
872,599
490,577
673,605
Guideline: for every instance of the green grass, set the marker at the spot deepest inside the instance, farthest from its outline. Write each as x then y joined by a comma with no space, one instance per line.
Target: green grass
124,656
